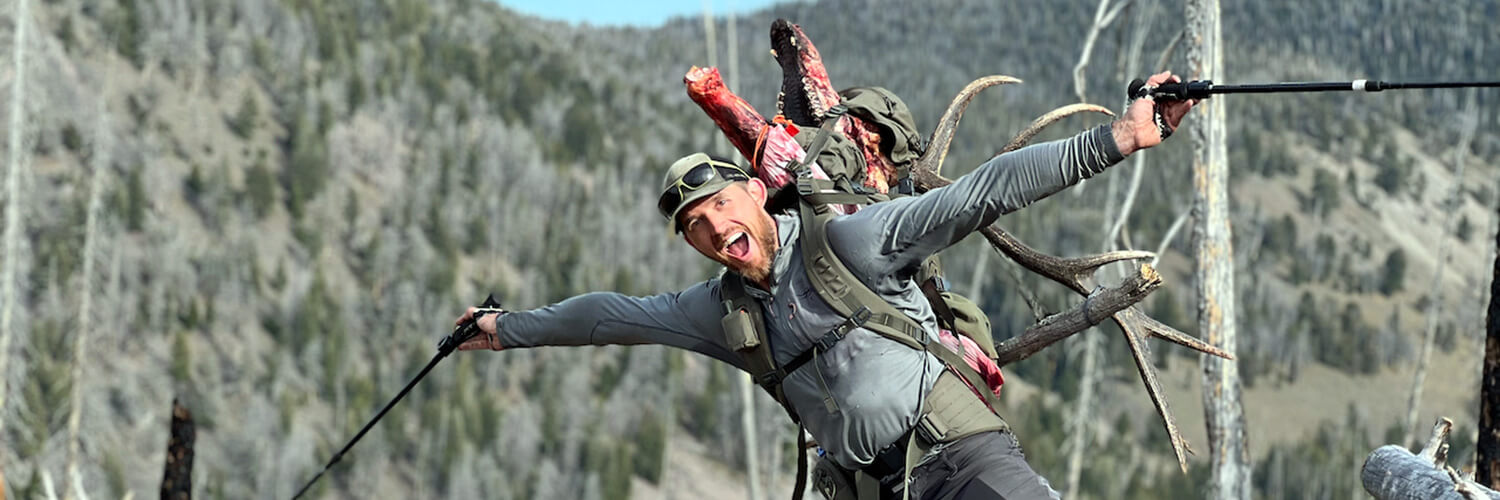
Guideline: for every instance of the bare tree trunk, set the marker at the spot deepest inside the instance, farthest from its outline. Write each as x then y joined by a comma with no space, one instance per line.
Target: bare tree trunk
1103,16
12,240
100,159
669,429
1448,205
177,479
980,277
710,44
746,388
1079,433
1224,415
752,449
1487,464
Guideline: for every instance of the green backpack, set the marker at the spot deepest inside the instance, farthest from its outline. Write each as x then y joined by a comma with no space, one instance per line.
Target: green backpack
844,163
899,139
953,409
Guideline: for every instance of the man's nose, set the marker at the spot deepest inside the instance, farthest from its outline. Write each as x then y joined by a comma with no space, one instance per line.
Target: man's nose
719,222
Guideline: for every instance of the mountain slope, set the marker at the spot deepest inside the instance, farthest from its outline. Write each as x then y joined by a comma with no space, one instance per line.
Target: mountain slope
304,192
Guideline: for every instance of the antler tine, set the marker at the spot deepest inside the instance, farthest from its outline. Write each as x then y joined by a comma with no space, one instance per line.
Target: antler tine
1043,121
1089,264
942,136
1162,331
1141,352
1070,272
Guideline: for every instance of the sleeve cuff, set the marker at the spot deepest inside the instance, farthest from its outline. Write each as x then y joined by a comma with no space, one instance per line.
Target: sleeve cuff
1104,143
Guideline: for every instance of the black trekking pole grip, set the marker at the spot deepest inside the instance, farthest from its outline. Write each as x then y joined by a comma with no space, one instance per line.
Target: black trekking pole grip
461,333
468,329
1173,91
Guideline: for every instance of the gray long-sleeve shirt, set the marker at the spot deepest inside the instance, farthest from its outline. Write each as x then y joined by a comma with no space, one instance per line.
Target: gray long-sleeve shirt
866,391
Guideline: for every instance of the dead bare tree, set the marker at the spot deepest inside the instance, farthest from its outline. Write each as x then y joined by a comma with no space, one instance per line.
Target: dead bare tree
1487,464
1104,15
17,164
1078,434
746,388
1224,415
100,160
177,478
1448,205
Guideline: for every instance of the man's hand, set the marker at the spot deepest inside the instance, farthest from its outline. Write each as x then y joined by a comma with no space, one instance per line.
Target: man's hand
488,337
1137,129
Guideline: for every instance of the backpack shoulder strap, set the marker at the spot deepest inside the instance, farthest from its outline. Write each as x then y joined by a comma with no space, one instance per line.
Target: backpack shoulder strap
842,290
851,298
745,332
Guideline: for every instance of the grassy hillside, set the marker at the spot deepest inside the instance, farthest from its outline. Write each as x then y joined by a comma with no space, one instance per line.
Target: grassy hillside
299,195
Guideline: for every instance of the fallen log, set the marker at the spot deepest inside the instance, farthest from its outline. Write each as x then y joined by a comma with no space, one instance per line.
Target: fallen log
1393,473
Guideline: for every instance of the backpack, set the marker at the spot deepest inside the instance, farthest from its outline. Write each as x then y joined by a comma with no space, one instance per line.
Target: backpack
845,165
959,404
899,139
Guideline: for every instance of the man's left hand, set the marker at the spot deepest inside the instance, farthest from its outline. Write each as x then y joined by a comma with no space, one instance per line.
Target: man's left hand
488,337
1137,129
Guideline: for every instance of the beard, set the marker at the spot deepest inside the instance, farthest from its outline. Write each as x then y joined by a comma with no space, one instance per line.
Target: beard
763,230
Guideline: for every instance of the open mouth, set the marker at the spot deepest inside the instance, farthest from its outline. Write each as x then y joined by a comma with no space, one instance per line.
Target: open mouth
738,246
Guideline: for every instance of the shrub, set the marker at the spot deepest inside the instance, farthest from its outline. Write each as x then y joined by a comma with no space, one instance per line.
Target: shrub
243,121
1393,274
260,186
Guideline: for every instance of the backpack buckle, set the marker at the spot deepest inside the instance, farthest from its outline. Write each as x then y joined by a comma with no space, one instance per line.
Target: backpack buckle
826,342
768,380
861,316
805,186
836,111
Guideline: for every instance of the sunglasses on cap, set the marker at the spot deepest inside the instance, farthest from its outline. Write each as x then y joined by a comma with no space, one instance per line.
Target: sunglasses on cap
695,178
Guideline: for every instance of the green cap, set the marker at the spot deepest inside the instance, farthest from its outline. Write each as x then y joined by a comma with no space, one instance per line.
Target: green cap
686,182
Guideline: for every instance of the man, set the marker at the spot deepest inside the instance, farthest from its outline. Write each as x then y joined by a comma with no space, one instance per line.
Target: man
862,397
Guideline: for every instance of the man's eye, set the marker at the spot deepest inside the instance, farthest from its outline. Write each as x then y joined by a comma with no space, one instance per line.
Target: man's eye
722,202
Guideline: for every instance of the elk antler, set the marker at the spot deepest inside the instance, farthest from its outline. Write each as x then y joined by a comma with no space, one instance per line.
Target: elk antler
1043,121
1072,273
942,136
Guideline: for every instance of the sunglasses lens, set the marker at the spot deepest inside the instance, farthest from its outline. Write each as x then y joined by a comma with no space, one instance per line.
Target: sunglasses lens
698,176
669,200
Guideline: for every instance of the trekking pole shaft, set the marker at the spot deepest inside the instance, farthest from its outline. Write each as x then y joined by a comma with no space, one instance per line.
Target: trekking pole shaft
461,333
340,455
1203,89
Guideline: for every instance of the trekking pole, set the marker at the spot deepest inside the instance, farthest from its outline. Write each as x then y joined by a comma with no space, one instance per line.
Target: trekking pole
461,333
1203,89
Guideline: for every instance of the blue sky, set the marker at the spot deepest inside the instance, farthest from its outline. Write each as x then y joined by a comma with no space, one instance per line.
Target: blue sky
634,13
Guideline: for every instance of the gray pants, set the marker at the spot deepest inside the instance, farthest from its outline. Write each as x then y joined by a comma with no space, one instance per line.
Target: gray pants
980,467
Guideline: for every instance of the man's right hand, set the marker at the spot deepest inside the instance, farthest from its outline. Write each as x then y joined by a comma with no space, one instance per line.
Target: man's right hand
488,337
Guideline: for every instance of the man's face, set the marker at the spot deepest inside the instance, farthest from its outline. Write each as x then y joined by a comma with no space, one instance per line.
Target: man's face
732,228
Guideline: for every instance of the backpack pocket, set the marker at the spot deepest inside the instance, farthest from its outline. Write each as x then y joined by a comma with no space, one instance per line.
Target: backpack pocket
739,330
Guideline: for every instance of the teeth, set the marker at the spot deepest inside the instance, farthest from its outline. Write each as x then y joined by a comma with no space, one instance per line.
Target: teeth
733,239
773,54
